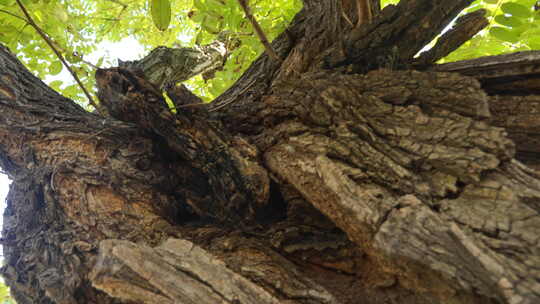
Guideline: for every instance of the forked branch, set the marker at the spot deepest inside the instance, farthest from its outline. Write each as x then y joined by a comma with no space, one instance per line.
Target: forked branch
57,53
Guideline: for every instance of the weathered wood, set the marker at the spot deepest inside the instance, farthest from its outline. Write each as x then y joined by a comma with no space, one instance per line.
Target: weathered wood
510,78
513,74
179,271
299,185
165,67
392,158
520,117
396,35
319,25
238,187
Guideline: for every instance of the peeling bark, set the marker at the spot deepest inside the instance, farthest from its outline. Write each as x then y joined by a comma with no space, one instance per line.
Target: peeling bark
165,67
205,279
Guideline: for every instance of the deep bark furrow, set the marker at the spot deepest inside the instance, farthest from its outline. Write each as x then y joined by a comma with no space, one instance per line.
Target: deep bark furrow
405,117
299,184
520,117
238,186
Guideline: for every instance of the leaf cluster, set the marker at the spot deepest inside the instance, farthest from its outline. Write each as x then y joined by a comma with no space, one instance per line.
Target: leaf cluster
514,26
212,17
77,28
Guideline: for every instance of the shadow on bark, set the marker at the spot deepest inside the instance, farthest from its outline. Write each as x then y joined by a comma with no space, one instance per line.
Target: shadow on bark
349,172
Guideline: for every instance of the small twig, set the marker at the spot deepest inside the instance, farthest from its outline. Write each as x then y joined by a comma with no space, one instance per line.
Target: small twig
12,14
95,67
57,53
346,18
81,58
259,31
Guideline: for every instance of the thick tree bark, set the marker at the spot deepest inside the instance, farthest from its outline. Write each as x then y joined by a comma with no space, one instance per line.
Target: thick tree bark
348,172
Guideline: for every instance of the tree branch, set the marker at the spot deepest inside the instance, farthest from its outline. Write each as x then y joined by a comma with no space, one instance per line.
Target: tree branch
58,54
463,30
165,67
13,15
238,186
396,35
259,31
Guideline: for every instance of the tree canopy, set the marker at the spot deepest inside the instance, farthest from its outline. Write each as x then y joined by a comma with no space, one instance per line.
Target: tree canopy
77,27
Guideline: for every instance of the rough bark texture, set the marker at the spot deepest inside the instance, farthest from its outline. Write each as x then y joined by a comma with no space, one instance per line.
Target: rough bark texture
340,175
165,67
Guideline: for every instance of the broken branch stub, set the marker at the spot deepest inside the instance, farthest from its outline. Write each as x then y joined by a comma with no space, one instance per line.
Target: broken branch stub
239,187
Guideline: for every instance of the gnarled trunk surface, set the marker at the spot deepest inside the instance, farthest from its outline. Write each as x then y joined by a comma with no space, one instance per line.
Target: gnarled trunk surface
349,172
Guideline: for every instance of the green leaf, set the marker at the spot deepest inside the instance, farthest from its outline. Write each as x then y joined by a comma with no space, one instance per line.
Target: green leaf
161,13
508,21
215,4
199,5
212,24
100,61
516,10
71,90
61,14
55,67
56,84
387,2
503,34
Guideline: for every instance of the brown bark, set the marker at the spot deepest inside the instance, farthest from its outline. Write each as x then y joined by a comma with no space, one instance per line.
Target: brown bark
513,82
321,179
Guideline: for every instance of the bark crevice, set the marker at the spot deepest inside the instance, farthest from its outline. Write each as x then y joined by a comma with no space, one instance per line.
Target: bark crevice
300,184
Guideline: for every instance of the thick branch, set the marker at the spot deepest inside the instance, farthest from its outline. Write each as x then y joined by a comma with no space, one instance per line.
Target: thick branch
516,73
73,174
397,34
317,26
238,186
165,67
463,30
510,78
393,158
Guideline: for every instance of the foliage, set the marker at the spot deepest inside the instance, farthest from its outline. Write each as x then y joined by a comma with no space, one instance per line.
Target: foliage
161,13
5,298
77,27
215,16
514,26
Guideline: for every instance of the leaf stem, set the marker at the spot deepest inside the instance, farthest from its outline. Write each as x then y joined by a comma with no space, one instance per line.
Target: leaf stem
12,14
58,54
259,31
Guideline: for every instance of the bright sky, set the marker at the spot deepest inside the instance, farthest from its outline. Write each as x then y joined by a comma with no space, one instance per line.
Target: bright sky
126,49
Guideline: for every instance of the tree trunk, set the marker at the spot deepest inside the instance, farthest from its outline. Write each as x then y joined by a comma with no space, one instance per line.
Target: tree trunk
349,172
